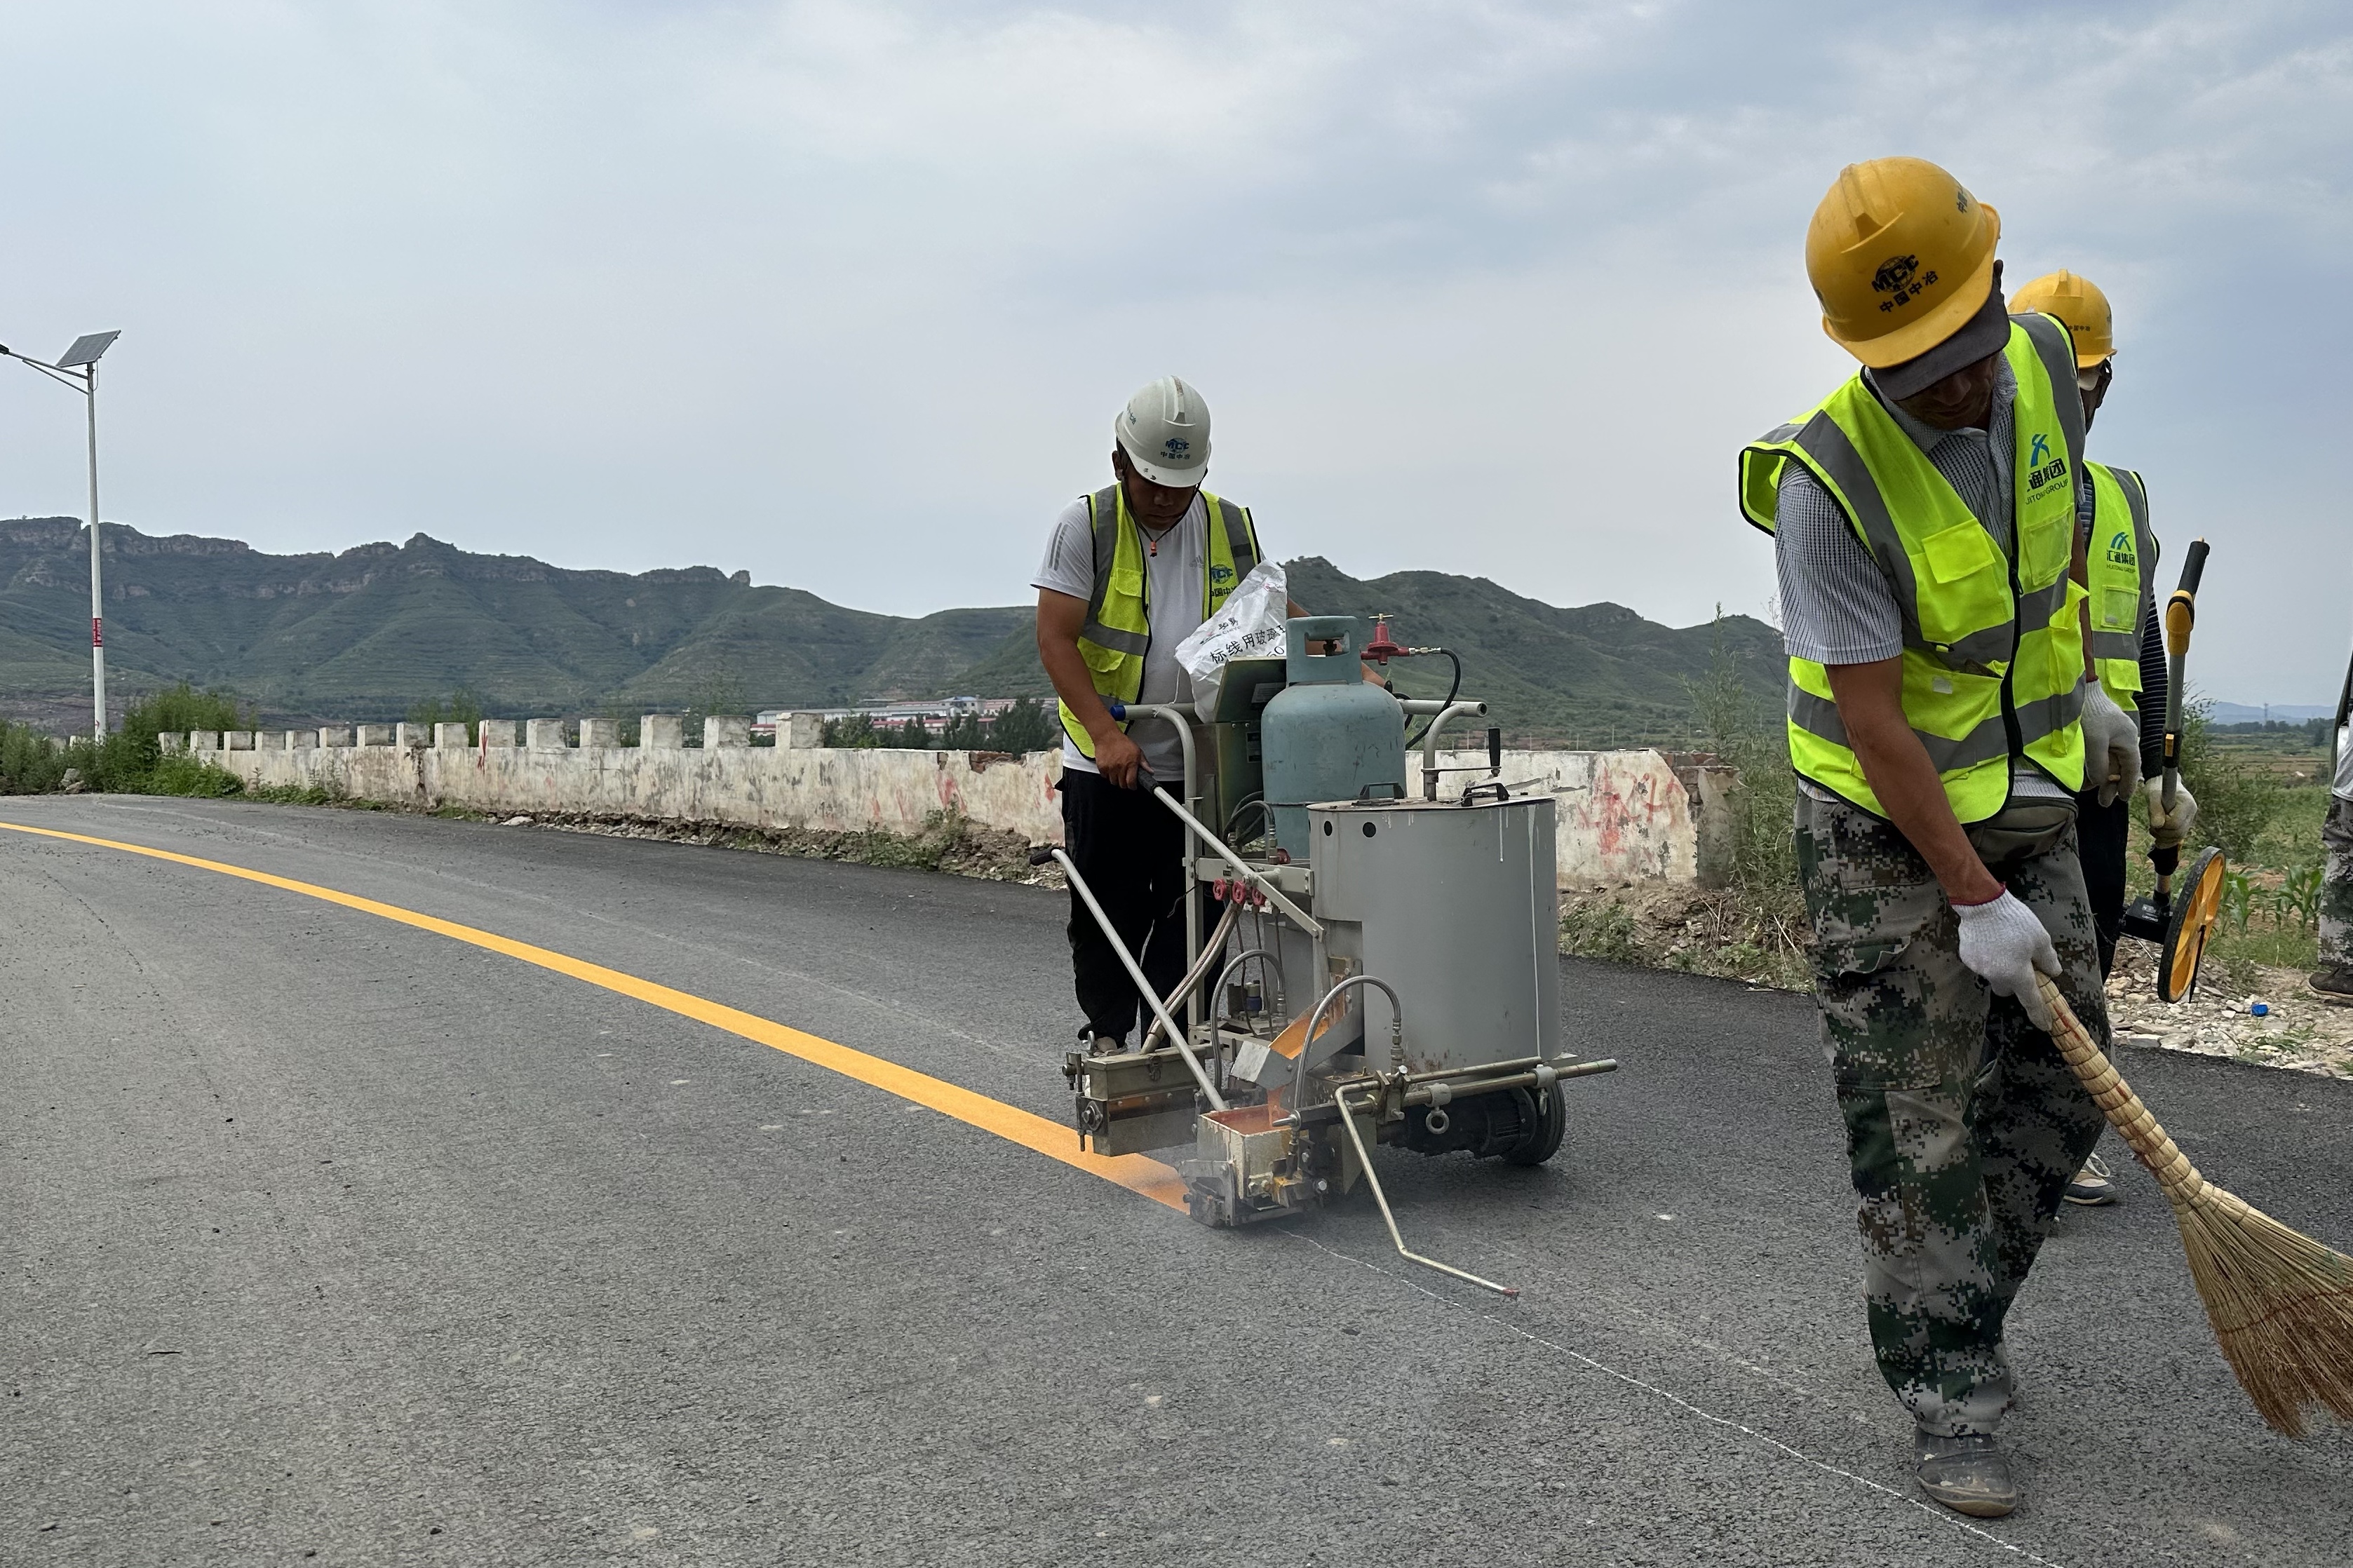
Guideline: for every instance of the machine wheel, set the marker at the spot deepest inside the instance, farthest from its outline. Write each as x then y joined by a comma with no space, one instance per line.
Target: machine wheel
1543,1141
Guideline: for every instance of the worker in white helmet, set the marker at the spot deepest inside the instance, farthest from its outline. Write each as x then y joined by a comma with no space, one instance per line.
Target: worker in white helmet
1130,572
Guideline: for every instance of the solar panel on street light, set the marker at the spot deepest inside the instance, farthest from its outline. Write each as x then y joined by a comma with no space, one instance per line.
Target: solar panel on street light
86,349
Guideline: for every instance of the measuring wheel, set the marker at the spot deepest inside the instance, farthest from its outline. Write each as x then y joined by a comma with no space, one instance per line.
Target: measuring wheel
2198,905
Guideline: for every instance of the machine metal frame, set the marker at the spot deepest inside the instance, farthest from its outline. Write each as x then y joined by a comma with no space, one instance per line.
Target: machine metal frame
1261,1148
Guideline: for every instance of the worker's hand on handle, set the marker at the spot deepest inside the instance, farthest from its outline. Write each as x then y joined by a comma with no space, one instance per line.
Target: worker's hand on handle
2111,746
2171,829
1118,759
2004,943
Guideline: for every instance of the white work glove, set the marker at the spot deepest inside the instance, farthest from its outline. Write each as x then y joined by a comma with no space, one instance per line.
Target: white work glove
2171,829
2111,746
2002,942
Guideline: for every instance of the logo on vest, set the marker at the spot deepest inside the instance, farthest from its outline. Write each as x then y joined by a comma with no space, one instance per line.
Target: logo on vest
2121,551
2041,466
1220,572
1895,278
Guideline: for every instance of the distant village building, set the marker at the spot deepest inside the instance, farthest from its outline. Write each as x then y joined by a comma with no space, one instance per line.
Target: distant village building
934,711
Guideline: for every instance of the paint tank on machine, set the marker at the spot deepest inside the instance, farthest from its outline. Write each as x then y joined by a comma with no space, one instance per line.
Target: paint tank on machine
1330,735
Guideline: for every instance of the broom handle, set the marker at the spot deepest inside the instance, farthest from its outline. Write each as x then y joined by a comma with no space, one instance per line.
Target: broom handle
2118,1102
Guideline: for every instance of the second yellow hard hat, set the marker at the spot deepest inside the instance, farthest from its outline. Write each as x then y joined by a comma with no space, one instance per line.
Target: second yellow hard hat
1901,256
2081,308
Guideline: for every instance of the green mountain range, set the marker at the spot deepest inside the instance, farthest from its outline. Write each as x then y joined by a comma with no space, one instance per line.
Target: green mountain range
371,632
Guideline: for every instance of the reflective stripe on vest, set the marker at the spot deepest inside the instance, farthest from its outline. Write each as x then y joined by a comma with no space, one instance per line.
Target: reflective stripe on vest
1993,654
1118,630
2117,566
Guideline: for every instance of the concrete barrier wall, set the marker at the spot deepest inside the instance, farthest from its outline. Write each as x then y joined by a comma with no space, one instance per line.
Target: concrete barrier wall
1623,816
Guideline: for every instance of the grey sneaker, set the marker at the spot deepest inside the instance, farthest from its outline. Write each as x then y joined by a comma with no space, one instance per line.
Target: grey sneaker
1968,1474
2095,1186
2333,986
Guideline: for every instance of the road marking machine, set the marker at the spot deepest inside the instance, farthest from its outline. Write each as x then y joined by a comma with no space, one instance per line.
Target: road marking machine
1384,965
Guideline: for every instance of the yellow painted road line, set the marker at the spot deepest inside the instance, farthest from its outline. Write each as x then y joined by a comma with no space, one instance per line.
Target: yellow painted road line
1051,1138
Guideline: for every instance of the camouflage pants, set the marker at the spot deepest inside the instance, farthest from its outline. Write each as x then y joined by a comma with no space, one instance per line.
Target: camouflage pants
1963,1122
2337,887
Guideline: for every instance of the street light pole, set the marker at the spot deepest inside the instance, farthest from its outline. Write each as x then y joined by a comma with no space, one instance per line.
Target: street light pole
78,368
96,584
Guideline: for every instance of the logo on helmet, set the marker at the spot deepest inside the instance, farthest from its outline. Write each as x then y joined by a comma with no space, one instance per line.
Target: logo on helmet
1894,273
1175,447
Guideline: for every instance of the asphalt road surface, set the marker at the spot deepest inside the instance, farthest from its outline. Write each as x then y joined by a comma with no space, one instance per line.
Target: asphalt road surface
328,1238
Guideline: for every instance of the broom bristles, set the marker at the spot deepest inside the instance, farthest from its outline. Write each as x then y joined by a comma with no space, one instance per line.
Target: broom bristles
2280,1303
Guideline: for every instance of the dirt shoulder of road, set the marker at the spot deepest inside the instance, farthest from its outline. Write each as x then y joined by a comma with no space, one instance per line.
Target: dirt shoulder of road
952,844
2296,1029
1695,930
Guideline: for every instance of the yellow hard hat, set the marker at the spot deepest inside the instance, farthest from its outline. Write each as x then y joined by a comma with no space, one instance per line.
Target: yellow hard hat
2081,308
1901,256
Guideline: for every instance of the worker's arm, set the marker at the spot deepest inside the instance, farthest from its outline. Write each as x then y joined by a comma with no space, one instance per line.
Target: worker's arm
1060,618
1869,699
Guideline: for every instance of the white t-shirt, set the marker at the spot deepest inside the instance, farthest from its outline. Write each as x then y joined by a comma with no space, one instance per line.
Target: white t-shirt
1173,564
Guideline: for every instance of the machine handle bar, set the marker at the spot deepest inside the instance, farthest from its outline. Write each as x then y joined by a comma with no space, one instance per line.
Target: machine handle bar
2180,615
1143,987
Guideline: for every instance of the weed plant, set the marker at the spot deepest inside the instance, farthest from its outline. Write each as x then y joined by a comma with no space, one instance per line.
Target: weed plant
1764,798
301,794
461,707
2267,824
131,761
30,762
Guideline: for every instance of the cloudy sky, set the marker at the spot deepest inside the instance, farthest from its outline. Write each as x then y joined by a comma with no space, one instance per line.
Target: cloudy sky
846,294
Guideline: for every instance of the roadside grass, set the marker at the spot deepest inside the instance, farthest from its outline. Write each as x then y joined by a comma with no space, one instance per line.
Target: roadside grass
131,761
949,843
303,795
2263,807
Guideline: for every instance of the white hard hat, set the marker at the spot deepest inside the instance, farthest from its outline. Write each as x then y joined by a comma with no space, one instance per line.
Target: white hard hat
1165,431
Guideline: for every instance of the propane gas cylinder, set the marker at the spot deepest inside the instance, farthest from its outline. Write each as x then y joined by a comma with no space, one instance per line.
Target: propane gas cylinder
1329,734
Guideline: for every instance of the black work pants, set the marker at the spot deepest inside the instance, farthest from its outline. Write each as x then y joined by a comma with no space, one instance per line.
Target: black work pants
1131,850
2102,833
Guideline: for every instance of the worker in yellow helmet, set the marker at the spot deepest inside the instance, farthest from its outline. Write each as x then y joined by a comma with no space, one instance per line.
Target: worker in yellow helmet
2123,650
1924,518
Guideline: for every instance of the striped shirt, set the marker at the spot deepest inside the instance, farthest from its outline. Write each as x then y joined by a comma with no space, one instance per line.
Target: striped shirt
1837,605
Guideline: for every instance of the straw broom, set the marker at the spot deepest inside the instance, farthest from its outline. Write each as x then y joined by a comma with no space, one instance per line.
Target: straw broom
2280,1303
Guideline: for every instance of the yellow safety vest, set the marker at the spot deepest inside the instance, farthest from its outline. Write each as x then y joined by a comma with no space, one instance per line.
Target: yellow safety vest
1119,612
1993,650
2117,565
